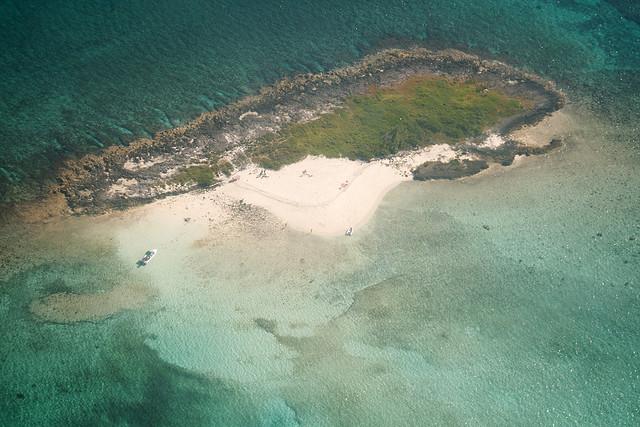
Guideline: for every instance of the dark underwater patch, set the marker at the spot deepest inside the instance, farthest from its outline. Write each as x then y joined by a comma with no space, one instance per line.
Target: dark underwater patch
451,170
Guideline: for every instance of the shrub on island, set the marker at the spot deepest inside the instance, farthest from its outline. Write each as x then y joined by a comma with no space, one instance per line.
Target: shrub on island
419,112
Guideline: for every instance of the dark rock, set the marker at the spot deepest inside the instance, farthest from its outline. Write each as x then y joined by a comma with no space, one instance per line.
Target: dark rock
20,396
452,170
505,154
486,227
555,143
266,324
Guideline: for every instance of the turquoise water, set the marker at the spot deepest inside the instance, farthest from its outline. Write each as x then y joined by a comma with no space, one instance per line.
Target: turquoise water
78,76
507,299
425,317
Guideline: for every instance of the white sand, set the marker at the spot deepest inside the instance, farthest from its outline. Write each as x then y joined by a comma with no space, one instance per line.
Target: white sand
326,196
493,141
552,126
316,195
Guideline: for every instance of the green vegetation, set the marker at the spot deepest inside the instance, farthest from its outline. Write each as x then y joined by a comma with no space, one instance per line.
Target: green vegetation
419,112
223,167
202,175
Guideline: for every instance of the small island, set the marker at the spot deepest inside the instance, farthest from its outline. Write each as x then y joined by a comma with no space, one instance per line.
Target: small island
320,150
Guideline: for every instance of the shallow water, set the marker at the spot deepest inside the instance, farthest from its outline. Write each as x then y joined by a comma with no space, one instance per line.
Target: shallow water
509,298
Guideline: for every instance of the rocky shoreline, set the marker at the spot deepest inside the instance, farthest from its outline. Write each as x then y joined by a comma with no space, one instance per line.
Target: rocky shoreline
120,177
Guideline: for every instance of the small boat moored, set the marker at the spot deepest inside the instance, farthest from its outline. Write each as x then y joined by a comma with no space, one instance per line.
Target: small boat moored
146,259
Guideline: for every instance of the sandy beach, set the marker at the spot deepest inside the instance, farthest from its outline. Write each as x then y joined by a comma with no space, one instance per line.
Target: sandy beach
327,196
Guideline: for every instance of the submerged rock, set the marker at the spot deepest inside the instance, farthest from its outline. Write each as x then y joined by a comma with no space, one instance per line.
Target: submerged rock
452,170
64,307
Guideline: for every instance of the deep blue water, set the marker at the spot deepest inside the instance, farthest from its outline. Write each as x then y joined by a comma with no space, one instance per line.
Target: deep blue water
81,75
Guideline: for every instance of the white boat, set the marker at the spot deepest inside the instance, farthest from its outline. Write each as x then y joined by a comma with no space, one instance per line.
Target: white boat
349,231
146,259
